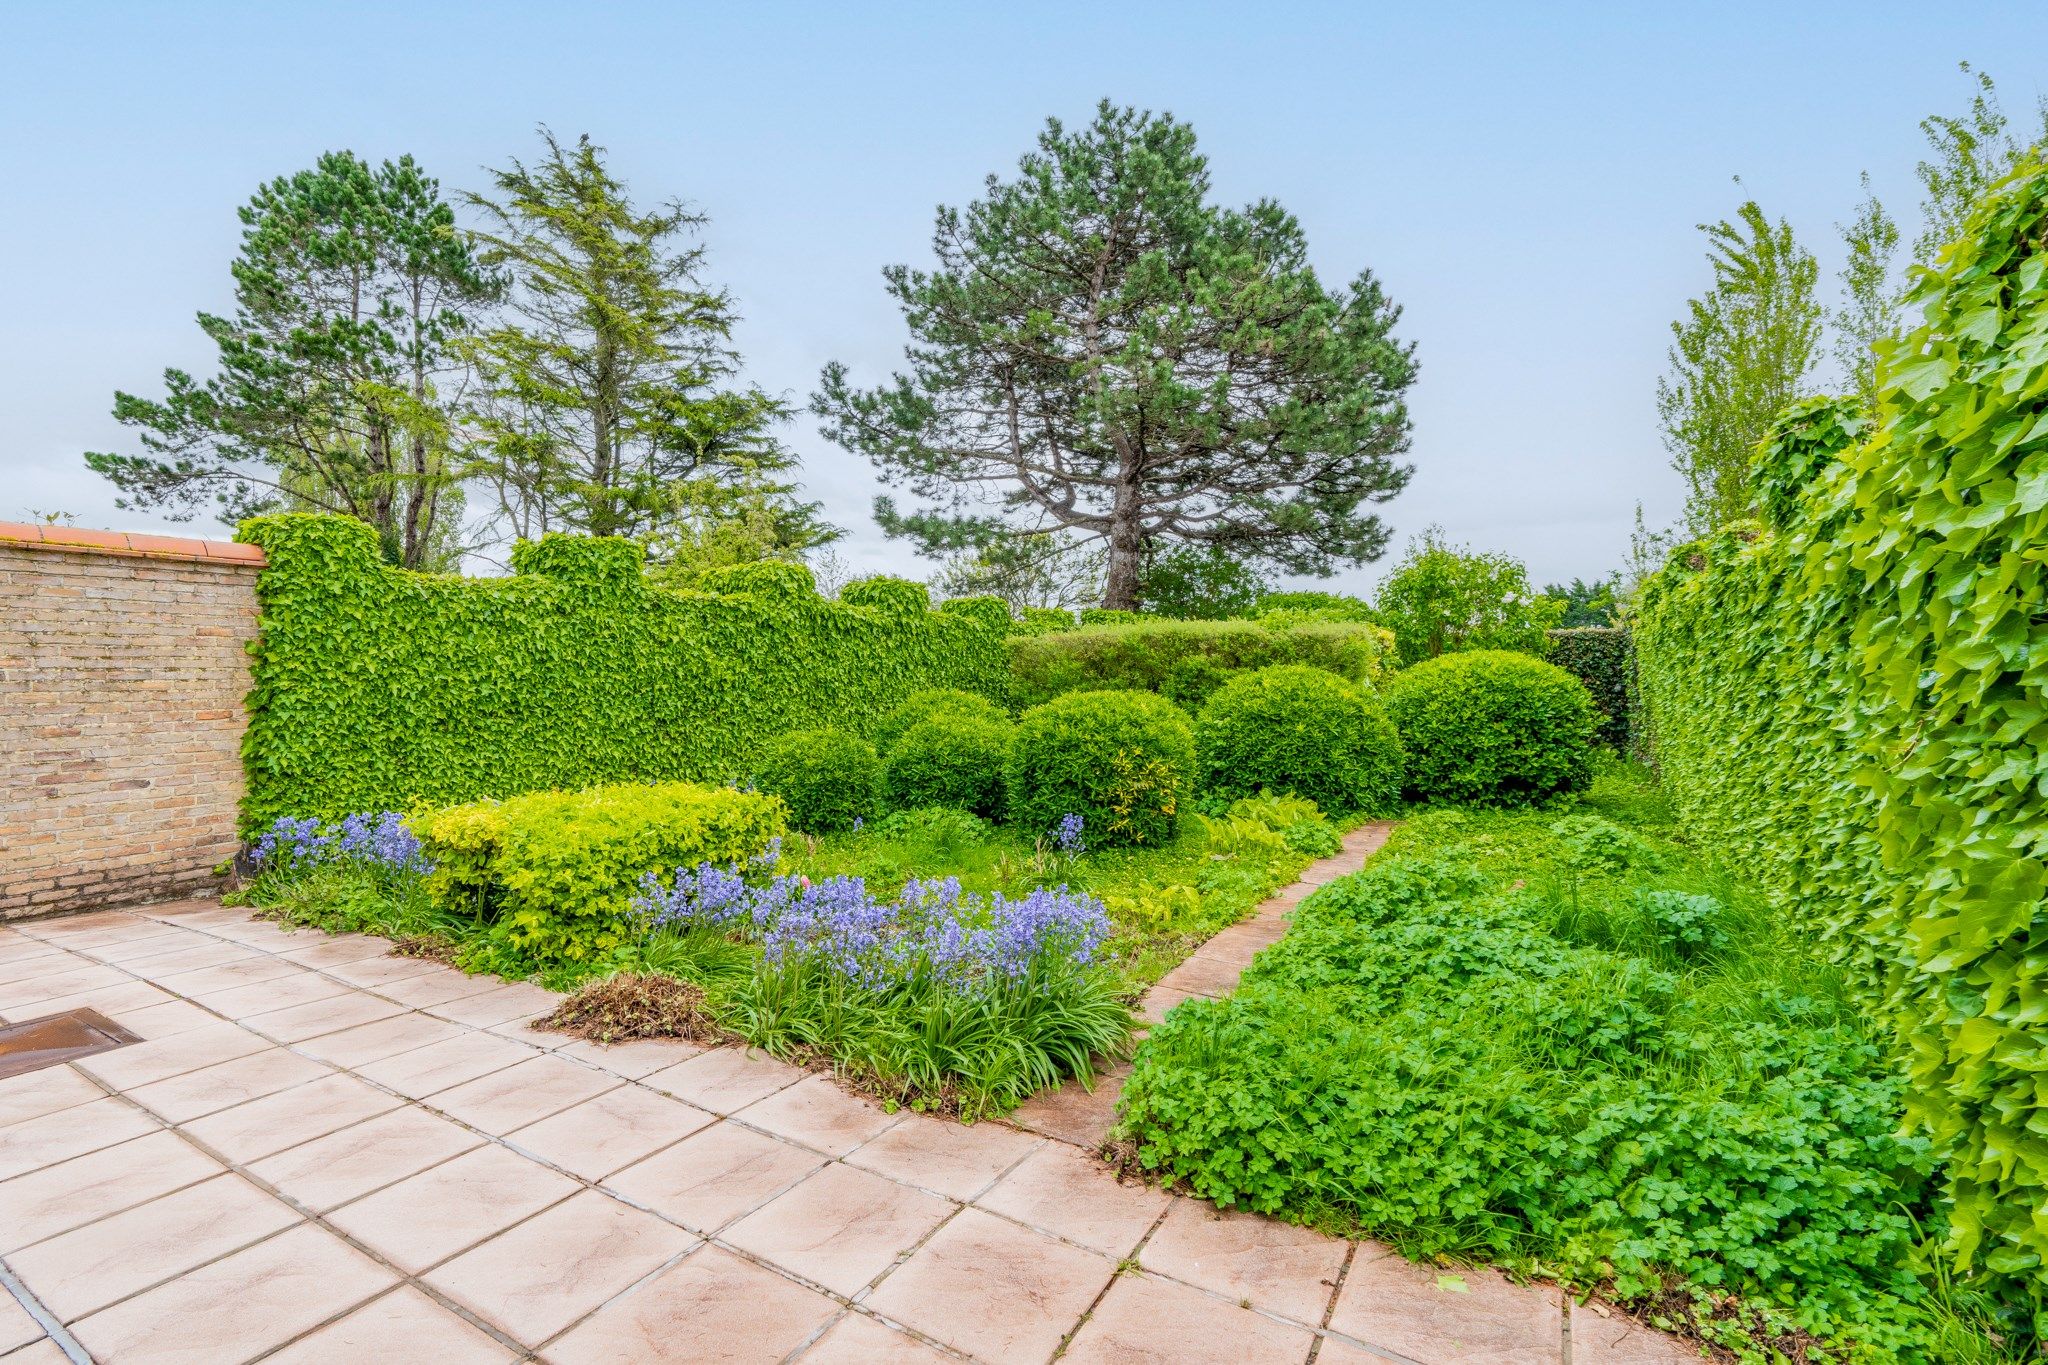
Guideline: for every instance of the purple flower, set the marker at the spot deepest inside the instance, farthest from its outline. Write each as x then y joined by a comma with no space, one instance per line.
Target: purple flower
380,841
1068,836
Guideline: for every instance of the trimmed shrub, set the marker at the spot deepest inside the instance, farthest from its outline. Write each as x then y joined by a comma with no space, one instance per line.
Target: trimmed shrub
1122,761
556,872
379,689
950,760
1300,730
1177,657
931,705
1492,727
1603,659
827,778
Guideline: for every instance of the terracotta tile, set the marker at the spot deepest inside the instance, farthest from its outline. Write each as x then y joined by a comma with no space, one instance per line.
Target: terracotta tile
321,1017
36,1093
1276,1266
17,1328
944,1156
522,1094
90,1267
1081,1115
20,999
372,972
264,934
277,1289
615,1129
58,1198
1465,1315
165,1021
404,1325
265,997
840,1228
160,1058
817,1113
1606,1336
715,1176
487,1009
165,940
423,1220
226,1084
1236,946
641,1057
994,1290
559,1265
1144,1320
725,1079
44,1352
204,981
367,1156
252,1131
45,960
435,987
1154,1004
178,910
859,1340
67,1133
108,1000
385,1038
428,1070
326,951
1072,1195
710,1306
1203,976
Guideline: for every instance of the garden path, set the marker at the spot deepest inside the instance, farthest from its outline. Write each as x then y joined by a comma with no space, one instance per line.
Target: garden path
322,1152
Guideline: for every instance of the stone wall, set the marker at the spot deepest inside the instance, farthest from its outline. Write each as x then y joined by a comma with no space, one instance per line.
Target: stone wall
123,669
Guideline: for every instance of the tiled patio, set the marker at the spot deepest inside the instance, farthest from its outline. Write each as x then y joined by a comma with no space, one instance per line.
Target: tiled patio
321,1152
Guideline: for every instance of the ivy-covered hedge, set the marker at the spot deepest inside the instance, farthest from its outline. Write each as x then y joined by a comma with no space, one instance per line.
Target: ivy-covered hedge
381,689
1856,707
1601,658
1156,654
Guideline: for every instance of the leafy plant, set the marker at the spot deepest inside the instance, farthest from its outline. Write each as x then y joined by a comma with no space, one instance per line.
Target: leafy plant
1304,731
1492,728
934,704
1122,761
951,760
1442,597
1183,660
827,778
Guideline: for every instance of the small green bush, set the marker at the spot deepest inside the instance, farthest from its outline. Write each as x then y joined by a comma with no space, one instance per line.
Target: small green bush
1300,730
1181,659
827,778
929,705
953,760
1122,761
1492,728
556,872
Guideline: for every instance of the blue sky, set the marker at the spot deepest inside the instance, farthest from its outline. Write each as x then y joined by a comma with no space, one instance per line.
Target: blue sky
1524,178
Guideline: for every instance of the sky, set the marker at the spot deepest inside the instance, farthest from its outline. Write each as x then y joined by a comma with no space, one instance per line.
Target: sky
1525,179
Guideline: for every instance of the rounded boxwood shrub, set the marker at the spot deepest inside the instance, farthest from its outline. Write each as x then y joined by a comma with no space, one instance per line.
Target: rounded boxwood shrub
1491,727
1302,730
827,778
1122,761
929,705
950,760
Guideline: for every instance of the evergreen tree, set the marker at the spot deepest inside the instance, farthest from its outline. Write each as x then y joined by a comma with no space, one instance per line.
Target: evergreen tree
1102,351
351,285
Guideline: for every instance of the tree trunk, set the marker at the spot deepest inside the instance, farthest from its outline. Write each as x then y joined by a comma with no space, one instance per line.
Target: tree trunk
1126,551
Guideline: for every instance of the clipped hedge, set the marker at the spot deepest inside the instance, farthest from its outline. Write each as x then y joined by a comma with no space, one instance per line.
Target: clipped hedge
930,705
950,760
827,778
555,872
1492,727
380,689
1853,708
1602,658
1303,731
1122,761
1180,657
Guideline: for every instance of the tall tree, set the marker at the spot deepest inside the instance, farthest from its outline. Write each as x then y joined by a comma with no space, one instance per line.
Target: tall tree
1102,351
1968,154
608,399
335,379
1742,351
1870,294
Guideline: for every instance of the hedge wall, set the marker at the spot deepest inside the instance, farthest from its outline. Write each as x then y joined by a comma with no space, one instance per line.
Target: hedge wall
1144,653
1602,658
377,688
1856,708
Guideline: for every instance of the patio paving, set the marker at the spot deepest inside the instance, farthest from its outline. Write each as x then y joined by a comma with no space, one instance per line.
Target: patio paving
321,1153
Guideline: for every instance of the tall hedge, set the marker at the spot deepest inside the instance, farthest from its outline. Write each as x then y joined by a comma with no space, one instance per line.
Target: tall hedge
1602,658
1856,709
1143,654
376,688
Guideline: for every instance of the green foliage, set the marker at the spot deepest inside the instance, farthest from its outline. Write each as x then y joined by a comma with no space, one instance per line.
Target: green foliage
1122,761
1585,604
1300,730
554,873
1154,655
1443,597
933,704
950,760
1208,584
1482,1047
1603,659
1102,295
1492,728
827,778
376,689
1797,451
1292,608
1853,707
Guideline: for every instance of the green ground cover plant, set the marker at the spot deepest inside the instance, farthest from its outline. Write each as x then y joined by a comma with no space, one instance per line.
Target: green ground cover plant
1565,1042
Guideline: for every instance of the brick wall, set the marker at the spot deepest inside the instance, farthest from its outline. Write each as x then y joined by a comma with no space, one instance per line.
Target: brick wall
123,670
